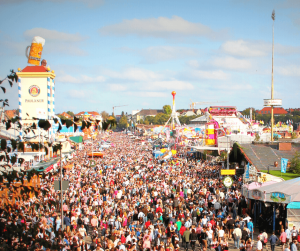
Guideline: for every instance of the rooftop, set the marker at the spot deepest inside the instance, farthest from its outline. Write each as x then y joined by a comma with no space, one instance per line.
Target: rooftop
34,69
262,155
149,112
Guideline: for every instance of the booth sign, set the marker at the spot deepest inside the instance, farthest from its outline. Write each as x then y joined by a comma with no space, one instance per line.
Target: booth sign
279,197
272,102
228,172
227,181
256,194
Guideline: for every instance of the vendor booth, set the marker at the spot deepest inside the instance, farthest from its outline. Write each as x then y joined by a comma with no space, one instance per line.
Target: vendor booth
274,199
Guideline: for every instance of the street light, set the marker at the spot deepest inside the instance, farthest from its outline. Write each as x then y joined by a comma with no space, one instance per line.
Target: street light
61,190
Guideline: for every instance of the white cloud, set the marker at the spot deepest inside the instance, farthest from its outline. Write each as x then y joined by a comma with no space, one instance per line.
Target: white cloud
193,63
80,79
148,94
161,27
133,74
165,53
170,85
231,63
89,3
290,70
117,87
56,42
216,75
80,94
53,35
234,87
243,48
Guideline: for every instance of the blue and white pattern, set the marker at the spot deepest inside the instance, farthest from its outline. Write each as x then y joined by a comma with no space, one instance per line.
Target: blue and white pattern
53,97
20,102
48,98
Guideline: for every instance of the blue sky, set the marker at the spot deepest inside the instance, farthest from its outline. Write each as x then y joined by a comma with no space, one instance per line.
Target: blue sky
107,53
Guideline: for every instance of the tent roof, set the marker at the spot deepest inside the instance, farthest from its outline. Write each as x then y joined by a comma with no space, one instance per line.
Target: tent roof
44,165
76,139
289,187
294,205
255,185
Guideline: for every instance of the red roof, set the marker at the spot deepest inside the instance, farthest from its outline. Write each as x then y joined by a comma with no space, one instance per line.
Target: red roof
66,115
90,113
293,110
276,110
10,113
34,69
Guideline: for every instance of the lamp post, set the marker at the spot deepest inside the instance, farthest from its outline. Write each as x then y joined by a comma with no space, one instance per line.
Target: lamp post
272,84
92,147
61,188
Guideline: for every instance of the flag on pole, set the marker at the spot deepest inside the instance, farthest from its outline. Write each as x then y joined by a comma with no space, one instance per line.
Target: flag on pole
284,163
247,176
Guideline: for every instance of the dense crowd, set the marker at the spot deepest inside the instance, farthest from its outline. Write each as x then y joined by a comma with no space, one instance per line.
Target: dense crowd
131,201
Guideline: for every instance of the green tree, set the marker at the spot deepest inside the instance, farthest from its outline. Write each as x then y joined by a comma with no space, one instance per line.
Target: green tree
104,115
296,113
71,113
186,119
61,116
160,119
167,109
123,122
295,163
247,111
149,120
8,156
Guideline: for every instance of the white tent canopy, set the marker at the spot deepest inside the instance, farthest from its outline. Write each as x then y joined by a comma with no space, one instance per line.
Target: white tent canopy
282,192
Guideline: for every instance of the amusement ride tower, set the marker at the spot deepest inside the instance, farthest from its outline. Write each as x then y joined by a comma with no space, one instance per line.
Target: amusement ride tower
174,118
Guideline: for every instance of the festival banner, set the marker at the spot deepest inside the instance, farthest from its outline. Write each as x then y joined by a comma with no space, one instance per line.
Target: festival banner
284,163
247,175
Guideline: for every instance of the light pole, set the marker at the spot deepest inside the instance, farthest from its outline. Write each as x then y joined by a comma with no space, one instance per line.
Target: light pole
228,147
272,84
61,188
92,147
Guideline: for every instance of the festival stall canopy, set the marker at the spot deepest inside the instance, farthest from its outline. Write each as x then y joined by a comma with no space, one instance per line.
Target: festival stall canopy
282,192
250,190
76,139
293,205
45,166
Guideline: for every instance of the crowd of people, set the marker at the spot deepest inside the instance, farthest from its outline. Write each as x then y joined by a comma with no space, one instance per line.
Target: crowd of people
128,201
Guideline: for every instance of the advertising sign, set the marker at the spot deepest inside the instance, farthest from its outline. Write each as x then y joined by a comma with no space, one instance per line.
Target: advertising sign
274,102
279,197
247,175
227,181
34,90
284,163
256,194
228,172
92,163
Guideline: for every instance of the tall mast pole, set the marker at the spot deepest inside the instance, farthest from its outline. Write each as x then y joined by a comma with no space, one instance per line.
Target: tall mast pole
272,85
173,111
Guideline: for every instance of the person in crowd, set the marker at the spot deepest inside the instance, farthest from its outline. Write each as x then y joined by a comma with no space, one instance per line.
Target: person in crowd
273,239
128,200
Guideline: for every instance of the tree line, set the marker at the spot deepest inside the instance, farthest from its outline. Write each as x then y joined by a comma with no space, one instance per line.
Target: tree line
293,116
